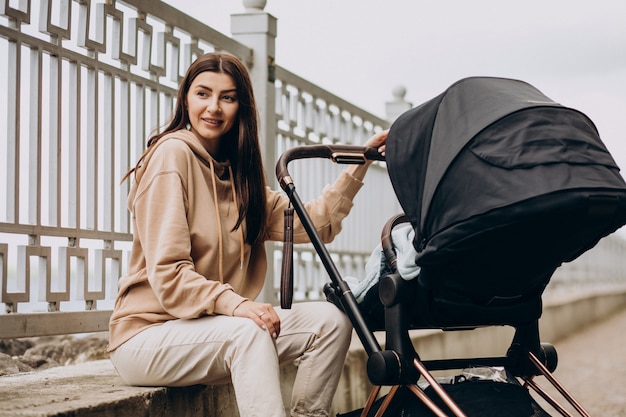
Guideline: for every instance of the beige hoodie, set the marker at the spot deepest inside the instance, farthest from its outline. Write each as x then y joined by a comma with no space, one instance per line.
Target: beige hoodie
185,260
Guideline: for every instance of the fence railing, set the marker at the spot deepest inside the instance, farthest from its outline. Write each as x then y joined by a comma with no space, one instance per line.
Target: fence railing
307,114
599,269
85,83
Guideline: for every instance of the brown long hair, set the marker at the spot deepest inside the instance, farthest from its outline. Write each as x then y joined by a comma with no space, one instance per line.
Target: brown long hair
240,147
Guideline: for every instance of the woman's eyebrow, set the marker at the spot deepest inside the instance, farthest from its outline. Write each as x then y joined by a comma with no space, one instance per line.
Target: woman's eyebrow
232,90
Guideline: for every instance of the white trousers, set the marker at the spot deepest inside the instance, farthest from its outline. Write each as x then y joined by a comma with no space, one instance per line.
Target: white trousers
216,349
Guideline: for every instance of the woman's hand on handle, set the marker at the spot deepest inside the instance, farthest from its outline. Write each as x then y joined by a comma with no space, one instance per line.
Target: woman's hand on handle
263,314
378,141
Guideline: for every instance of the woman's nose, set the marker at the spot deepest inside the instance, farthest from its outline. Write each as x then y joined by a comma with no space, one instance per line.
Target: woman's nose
214,106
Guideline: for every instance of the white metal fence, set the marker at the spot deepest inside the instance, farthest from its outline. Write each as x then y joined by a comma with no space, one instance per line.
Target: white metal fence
86,83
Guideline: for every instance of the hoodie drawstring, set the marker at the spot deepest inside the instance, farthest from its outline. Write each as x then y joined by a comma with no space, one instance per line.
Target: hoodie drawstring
219,223
220,242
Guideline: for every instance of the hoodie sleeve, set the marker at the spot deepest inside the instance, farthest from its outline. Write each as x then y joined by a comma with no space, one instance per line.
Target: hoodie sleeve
327,211
160,209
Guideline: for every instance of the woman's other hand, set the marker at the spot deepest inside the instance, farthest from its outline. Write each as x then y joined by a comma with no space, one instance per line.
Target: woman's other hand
378,141
263,314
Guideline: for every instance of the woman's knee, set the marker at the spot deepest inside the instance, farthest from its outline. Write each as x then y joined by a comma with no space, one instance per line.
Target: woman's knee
335,321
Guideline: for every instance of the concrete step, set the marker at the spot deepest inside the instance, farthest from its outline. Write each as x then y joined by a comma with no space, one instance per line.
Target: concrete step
94,389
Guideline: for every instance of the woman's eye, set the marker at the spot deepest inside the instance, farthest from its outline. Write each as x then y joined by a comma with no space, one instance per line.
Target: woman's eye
230,99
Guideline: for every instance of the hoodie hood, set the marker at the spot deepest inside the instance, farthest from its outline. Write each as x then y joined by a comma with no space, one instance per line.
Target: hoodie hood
219,168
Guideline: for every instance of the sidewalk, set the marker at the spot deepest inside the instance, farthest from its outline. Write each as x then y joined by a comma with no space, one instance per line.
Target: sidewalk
592,367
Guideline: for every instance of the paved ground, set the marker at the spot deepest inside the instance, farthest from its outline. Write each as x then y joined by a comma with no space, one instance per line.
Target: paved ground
592,366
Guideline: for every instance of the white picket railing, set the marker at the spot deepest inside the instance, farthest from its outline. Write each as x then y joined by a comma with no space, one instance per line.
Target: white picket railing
84,84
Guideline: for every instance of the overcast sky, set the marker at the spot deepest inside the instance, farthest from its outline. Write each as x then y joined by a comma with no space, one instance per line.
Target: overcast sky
574,51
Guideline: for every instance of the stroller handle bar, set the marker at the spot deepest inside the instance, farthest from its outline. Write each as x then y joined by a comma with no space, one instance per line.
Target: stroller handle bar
341,154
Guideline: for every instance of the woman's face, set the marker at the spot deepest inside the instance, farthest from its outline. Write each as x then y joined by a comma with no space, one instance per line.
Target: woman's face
212,107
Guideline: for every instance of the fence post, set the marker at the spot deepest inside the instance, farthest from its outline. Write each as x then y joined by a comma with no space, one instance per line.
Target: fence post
398,105
257,30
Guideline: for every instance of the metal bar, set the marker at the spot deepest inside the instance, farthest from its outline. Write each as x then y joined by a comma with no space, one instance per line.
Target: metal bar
438,388
426,400
34,139
554,403
120,214
107,144
90,140
385,404
29,229
13,131
545,372
53,137
73,146
370,400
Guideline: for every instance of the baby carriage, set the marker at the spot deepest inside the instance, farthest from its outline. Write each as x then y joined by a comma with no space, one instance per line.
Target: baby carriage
500,185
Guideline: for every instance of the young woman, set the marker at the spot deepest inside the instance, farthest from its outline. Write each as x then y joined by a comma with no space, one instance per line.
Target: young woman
186,311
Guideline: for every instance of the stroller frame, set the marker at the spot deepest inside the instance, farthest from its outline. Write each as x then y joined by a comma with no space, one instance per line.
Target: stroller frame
399,364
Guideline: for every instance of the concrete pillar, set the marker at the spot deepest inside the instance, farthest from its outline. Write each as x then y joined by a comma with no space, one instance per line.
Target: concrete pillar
398,105
257,30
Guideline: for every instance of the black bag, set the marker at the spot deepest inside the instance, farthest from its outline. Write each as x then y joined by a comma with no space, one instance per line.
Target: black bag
475,398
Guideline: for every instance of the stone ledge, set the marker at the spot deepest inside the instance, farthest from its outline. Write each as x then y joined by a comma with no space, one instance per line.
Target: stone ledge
93,389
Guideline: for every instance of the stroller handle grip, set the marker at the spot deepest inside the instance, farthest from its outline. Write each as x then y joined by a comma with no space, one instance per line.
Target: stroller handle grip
341,154
386,240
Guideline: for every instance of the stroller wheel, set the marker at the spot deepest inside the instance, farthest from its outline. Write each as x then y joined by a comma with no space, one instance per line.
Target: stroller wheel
384,368
549,356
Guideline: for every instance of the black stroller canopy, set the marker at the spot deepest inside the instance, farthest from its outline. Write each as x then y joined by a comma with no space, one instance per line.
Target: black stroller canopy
424,141
491,157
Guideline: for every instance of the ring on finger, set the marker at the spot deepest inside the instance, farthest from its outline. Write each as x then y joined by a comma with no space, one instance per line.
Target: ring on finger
261,315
